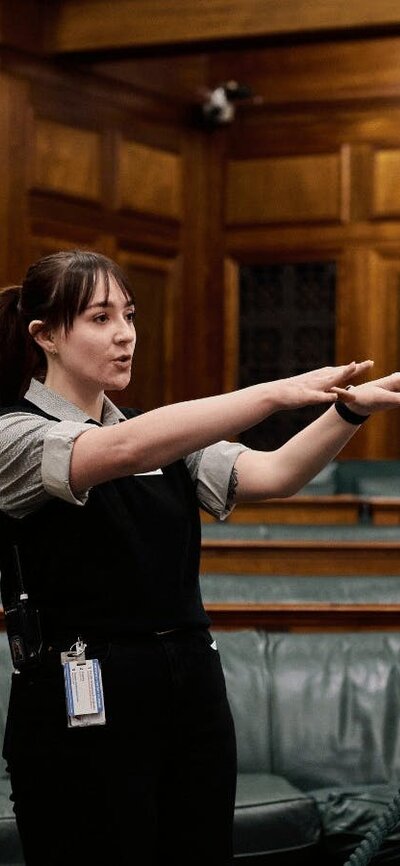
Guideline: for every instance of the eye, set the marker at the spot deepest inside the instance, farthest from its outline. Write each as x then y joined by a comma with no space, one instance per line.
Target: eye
131,314
101,318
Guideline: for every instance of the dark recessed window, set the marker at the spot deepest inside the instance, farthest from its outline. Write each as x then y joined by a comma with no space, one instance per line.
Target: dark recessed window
287,326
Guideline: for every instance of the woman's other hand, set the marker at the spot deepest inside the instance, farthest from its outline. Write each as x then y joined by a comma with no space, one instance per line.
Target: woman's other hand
372,396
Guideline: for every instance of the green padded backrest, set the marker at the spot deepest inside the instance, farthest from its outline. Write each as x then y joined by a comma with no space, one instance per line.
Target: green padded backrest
5,683
319,709
248,683
359,477
323,484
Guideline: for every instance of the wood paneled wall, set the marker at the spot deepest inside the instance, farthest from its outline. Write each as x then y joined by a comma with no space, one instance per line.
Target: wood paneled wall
309,172
313,173
79,170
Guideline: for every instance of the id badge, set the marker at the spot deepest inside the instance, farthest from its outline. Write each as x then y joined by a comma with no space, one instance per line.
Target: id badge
83,689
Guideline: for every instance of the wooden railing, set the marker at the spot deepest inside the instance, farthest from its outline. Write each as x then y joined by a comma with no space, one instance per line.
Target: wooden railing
275,557
338,508
311,616
281,556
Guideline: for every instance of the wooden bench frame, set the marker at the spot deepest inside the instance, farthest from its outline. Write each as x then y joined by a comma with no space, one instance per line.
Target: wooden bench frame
234,556
317,510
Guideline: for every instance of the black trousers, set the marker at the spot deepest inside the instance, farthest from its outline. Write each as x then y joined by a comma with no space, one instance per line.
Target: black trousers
155,784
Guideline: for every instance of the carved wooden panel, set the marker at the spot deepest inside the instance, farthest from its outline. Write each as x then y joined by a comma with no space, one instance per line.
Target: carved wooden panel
383,431
45,245
150,180
67,160
386,183
284,189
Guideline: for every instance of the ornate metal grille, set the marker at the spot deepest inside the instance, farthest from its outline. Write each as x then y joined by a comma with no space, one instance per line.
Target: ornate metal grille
287,326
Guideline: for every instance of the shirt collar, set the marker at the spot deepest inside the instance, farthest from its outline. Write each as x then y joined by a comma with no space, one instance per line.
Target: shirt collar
54,404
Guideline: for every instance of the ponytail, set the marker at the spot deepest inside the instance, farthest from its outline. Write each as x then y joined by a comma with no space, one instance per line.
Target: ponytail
18,355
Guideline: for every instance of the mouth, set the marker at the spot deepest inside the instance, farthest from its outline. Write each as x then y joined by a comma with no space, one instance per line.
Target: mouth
123,359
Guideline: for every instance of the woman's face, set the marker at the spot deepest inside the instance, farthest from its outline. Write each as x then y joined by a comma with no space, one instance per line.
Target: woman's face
97,352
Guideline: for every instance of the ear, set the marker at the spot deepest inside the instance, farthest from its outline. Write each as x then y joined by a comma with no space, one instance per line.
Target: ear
42,337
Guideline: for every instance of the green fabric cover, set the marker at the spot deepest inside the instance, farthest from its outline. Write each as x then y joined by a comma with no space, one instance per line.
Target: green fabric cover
259,588
305,532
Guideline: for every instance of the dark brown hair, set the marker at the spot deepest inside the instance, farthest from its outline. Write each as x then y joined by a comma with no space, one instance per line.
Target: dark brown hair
56,289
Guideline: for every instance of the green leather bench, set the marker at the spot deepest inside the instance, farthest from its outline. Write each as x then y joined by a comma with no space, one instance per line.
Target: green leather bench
317,721
10,849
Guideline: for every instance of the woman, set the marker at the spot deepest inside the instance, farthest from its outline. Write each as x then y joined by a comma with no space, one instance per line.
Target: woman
101,512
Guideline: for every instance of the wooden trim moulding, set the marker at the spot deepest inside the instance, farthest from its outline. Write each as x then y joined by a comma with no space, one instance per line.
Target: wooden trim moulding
305,617
108,93
139,23
56,215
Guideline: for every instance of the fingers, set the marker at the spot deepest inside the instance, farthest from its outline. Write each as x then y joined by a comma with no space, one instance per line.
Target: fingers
348,371
361,367
342,394
346,374
389,383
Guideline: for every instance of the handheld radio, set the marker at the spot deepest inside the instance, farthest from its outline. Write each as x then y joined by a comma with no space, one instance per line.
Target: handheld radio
22,623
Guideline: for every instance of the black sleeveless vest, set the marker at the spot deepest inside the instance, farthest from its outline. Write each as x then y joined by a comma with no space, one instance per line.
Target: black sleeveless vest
126,562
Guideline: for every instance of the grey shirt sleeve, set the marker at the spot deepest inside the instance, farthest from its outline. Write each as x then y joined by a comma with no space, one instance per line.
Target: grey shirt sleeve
35,455
211,470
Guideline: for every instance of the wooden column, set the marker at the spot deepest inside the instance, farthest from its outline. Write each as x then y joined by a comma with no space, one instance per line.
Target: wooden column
14,159
202,315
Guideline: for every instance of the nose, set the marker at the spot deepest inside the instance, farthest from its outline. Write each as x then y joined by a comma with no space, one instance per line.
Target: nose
125,332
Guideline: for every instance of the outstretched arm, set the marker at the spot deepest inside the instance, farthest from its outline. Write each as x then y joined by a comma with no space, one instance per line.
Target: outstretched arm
163,435
281,473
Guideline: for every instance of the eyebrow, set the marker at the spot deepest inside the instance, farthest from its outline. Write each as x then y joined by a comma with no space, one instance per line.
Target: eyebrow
105,303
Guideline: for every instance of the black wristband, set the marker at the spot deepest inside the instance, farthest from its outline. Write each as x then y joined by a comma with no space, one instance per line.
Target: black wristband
348,415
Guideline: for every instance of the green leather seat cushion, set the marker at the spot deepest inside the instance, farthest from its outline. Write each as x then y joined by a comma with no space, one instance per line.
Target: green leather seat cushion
273,818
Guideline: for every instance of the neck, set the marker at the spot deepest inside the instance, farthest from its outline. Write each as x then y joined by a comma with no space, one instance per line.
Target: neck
79,394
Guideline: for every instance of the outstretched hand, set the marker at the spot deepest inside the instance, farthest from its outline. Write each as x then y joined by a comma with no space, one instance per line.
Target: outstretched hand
322,386
372,396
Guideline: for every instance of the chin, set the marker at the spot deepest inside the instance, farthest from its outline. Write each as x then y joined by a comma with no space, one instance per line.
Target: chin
118,385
